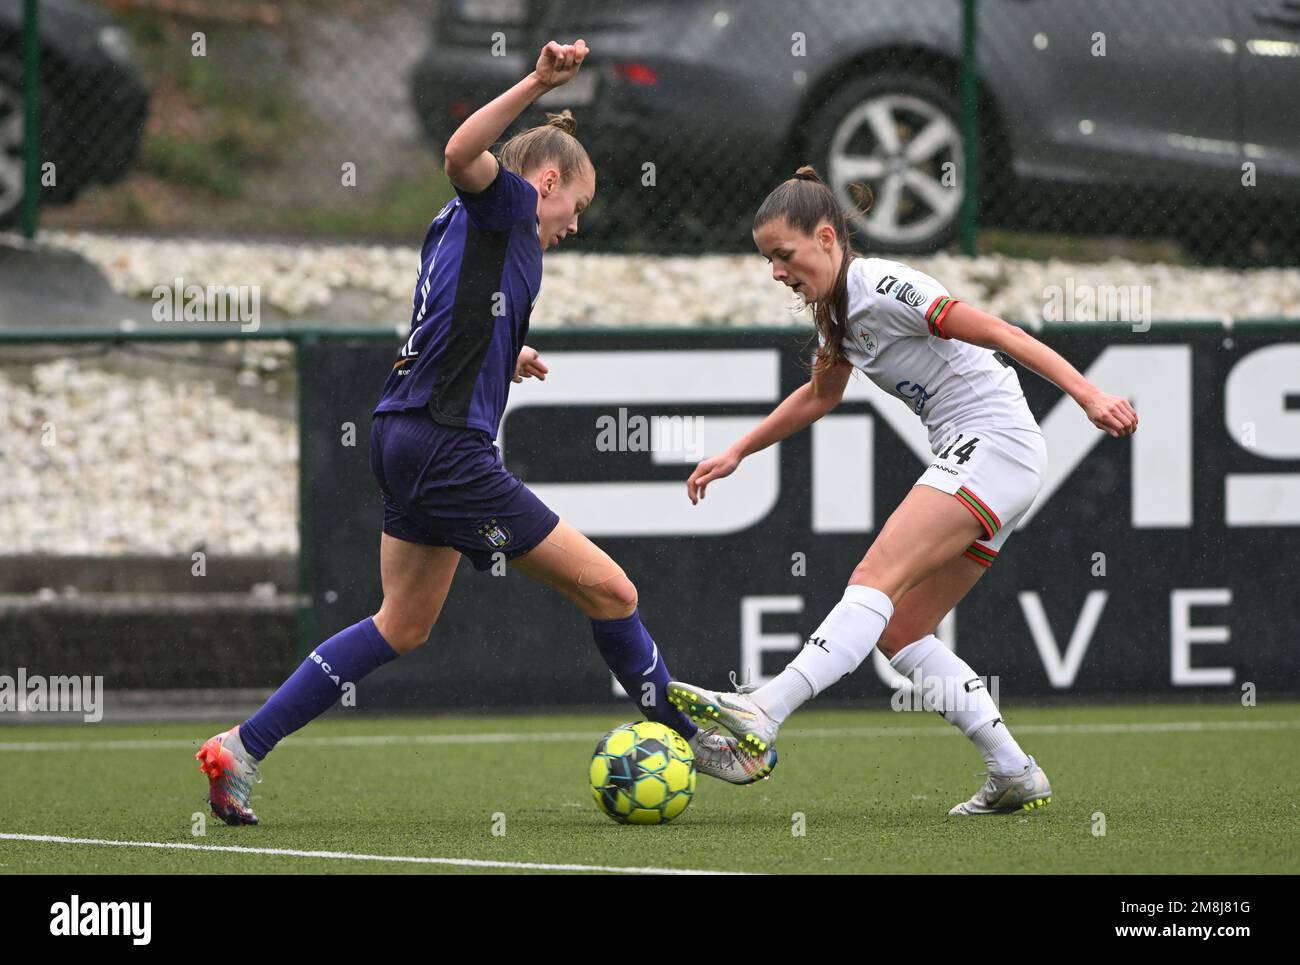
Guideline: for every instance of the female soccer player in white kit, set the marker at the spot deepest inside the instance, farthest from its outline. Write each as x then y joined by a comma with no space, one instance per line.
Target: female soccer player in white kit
943,359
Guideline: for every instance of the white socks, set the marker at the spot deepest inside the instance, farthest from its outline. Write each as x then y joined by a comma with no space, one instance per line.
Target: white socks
962,700
783,693
835,650
845,638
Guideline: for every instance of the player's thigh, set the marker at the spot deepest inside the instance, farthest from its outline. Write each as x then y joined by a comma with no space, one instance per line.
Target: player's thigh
923,607
580,571
927,530
416,579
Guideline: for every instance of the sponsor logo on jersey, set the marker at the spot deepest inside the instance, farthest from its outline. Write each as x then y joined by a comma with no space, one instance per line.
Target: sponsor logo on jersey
947,469
408,352
914,394
868,341
904,291
909,294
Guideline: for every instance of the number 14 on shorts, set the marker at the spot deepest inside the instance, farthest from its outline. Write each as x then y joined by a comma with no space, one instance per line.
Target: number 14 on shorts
959,449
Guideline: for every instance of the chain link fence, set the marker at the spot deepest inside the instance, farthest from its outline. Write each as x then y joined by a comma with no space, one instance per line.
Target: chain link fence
1165,122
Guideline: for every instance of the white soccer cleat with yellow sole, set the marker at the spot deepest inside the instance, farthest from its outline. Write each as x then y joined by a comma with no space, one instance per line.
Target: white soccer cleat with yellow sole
720,756
1009,794
736,711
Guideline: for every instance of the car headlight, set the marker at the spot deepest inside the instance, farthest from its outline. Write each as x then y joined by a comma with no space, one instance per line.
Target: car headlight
115,43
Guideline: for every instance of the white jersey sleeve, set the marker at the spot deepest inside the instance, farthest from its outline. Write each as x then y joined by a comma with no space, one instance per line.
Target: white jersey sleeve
907,301
895,336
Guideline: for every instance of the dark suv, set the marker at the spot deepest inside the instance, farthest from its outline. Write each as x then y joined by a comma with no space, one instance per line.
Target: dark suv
93,104
1096,115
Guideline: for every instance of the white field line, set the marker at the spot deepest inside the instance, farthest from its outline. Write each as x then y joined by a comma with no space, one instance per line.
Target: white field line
794,733
349,856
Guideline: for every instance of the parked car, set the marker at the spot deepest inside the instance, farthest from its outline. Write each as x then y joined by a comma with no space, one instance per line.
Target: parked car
93,104
1095,115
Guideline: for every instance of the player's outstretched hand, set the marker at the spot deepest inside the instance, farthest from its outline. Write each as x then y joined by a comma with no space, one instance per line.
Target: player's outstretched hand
559,62
715,467
1111,413
530,364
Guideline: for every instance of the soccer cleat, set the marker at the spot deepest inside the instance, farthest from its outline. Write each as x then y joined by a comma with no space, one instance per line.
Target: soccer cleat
1007,794
231,774
721,757
736,711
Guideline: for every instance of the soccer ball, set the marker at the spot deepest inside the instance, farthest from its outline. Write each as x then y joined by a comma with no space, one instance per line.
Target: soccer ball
643,773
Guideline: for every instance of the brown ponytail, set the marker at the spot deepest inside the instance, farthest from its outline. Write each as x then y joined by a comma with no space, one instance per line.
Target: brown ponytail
553,142
805,201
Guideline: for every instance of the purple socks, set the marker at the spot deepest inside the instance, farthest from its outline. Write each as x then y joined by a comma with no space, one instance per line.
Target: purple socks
344,658
632,655
350,654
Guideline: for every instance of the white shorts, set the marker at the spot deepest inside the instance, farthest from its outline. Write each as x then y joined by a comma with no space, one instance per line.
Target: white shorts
994,473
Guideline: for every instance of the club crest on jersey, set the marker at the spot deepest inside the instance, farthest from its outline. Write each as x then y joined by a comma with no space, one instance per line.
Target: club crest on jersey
868,340
496,535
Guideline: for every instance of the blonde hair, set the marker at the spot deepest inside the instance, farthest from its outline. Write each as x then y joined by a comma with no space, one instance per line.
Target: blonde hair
552,142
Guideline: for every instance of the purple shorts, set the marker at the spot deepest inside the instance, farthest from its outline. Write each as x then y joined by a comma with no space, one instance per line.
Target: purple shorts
444,486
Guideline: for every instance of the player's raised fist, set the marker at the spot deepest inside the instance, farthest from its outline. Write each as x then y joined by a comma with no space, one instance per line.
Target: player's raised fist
1113,414
559,62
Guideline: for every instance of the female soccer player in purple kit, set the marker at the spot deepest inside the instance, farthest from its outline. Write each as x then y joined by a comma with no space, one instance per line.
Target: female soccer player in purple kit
445,489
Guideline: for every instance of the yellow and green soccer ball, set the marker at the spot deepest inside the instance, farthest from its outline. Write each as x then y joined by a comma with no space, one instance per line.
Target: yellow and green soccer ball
643,773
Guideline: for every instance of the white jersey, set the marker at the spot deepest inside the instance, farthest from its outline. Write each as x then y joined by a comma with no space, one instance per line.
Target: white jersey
895,336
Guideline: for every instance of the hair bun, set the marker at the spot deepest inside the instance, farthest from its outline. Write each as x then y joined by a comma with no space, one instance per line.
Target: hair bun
807,173
564,120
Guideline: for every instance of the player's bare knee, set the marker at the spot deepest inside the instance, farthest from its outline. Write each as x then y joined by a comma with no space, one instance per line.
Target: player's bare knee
402,634
867,573
411,638
614,598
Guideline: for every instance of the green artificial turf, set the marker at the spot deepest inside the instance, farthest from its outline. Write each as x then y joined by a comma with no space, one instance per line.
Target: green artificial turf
873,789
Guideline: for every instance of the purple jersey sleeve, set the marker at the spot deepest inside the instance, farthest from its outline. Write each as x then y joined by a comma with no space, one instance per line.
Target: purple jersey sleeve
508,200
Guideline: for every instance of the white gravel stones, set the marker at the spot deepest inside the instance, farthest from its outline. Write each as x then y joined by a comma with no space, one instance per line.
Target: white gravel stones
587,290
101,463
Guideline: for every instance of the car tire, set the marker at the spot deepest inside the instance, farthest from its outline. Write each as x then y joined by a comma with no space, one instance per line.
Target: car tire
899,133
11,141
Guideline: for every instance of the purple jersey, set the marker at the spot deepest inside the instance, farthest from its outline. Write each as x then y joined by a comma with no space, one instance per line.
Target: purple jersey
480,273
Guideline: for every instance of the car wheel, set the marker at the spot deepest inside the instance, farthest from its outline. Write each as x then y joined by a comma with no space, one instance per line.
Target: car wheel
900,134
11,141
